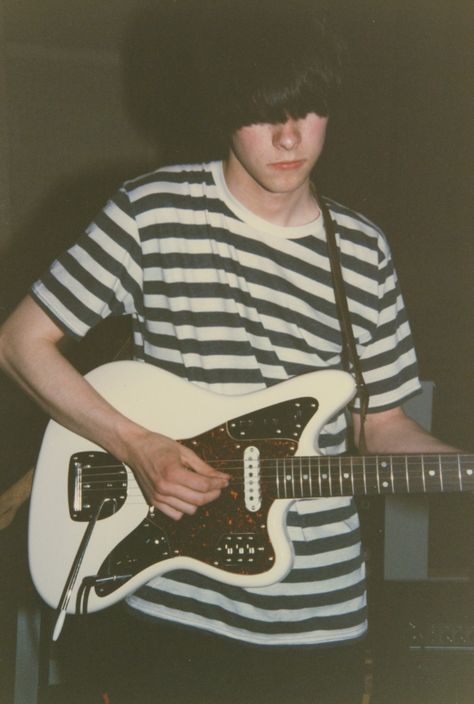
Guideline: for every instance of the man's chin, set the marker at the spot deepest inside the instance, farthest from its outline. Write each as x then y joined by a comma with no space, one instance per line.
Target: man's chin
287,182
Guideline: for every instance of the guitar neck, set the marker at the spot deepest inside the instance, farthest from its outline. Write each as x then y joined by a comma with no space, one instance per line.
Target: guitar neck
321,476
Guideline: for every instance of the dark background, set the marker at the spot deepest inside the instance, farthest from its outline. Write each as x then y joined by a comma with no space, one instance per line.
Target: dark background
407,135
399,150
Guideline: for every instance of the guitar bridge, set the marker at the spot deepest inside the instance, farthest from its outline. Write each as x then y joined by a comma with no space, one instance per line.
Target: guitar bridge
94,476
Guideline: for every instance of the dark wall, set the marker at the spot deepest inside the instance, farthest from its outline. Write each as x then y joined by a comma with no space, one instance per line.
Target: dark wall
400,151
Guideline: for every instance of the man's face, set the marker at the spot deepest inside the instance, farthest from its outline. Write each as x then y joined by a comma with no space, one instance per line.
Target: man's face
277,157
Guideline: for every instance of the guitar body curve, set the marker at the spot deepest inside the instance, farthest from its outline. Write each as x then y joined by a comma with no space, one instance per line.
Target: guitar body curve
239,539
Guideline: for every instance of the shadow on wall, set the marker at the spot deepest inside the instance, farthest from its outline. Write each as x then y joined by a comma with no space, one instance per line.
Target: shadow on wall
165,51
52,227
164,102
164,93
167,98
160,95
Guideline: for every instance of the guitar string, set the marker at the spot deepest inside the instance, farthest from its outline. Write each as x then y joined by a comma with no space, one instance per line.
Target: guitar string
294,483
370,462
353,469
432,481
137,498
424,484
134,490
428,480
297,474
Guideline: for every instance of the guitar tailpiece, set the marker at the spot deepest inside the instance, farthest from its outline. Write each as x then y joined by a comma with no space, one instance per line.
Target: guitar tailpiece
83,592
84,589
89,583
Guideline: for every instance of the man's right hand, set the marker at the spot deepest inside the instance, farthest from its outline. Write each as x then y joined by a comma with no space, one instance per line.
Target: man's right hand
172,477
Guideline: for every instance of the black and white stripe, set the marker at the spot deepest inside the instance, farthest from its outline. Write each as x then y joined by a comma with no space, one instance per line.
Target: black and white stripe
231,302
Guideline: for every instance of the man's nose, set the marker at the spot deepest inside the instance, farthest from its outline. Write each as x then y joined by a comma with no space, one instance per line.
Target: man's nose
287,135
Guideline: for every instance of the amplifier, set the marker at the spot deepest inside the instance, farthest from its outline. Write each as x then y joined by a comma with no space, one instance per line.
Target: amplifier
441,636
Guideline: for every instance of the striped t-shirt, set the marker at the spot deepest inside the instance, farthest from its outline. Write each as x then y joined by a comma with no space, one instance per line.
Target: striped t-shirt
233,303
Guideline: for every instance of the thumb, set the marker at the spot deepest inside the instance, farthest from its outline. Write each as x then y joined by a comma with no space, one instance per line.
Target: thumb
194,462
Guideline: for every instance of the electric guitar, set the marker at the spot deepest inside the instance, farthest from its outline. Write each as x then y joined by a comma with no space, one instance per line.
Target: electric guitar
93,539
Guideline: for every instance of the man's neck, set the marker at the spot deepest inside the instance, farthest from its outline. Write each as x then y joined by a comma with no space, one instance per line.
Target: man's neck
290,208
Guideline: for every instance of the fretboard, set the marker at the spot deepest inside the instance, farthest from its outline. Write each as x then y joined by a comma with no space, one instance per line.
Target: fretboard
306,477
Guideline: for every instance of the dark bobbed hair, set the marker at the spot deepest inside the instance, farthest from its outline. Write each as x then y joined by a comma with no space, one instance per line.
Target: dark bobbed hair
266,61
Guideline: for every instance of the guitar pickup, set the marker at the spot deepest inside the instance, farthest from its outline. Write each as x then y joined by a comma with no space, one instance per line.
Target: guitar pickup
252,490
93,477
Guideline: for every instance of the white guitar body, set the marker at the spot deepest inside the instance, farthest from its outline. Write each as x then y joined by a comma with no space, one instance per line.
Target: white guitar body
160,402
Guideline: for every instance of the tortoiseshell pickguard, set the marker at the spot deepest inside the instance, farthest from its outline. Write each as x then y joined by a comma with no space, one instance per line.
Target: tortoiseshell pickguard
223,533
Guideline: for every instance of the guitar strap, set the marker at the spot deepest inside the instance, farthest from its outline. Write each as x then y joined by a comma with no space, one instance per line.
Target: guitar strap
350,356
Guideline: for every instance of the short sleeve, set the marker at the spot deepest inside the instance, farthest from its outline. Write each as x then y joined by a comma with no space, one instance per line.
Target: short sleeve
99,276
387,357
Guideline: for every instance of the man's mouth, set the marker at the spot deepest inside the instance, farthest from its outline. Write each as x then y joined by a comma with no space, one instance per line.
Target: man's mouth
287,165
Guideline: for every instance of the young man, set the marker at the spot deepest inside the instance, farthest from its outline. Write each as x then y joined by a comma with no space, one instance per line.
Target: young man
224,270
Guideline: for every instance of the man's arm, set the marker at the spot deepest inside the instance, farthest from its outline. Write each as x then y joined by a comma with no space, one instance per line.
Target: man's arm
394,432
172,477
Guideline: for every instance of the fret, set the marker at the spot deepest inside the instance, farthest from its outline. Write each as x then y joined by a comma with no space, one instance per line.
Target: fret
364,475
371,475
416,475
319,477
324,478
392,474
291,475
310,473
304,464
384,476
433,476
399,473
286,479
423,473
460,468
358,476
470,475
347,477
292,479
